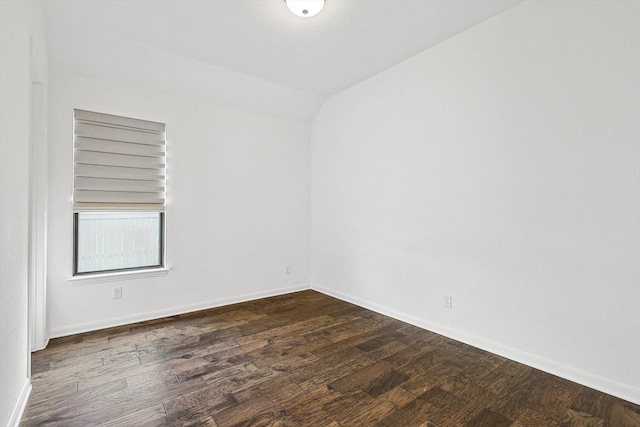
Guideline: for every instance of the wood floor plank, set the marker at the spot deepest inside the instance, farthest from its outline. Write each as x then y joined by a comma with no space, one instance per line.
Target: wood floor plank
261,404
530,418
311,405
421,410
554,399
488,418
136,418
360,377
470,401
581,419
300,359
211,387
624,415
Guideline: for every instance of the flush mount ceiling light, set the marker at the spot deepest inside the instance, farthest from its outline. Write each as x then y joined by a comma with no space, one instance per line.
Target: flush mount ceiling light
305,8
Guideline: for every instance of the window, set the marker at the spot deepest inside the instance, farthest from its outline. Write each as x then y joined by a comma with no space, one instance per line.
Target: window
118,240
118,193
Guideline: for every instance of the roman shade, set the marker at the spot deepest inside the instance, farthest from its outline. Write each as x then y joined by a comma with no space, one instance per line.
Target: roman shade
118,163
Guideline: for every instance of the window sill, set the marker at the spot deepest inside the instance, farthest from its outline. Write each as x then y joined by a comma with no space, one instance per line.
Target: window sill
118,276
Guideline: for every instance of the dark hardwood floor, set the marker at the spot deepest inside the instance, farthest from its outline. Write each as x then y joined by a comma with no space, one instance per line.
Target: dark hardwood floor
303,359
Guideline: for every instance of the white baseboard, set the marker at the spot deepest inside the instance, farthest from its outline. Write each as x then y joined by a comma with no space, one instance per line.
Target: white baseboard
171,311
18,410
41,346
623,391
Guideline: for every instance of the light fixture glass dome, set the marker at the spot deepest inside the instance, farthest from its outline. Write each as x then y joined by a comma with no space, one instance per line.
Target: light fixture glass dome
305,8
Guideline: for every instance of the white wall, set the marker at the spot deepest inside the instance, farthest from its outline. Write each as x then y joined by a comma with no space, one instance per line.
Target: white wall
114,57
500,167
21,26
237,211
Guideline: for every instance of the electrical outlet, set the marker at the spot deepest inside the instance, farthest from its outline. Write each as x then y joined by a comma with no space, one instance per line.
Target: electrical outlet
117,292
287,270
448,301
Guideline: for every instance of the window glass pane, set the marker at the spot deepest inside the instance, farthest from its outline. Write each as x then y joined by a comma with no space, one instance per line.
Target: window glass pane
118,240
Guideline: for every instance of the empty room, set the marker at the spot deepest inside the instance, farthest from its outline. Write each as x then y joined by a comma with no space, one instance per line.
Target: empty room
325,213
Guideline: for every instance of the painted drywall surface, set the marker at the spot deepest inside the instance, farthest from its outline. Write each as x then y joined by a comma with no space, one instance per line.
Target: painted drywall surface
237,206
500,167
21,23
145,66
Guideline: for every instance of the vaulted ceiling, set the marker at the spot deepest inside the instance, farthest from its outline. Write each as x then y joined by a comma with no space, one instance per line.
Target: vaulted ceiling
252,42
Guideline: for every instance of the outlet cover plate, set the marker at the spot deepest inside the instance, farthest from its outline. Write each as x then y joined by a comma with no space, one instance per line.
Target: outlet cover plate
448,301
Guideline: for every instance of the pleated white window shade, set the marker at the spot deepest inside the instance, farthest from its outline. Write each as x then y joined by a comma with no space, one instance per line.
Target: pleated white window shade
118,163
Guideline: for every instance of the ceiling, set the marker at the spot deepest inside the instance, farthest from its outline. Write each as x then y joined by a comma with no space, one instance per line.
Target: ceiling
252,55
347,42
